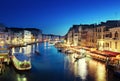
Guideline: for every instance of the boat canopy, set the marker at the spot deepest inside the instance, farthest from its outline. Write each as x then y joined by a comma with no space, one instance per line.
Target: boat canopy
106,53
21,57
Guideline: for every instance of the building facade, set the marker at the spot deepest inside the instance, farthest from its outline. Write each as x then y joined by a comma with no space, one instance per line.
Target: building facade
3,35
103,36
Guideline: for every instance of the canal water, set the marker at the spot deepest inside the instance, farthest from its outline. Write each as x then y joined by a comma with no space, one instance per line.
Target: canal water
52,65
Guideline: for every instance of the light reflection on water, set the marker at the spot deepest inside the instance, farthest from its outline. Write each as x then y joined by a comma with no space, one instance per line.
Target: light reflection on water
54,66
79,68
21,77
101,73
97,70
46,45
84,67
29,49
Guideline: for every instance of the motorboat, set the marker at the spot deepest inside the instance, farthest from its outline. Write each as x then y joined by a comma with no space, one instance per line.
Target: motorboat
21,61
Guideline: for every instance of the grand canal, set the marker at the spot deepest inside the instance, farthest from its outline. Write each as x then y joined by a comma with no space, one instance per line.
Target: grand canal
52,65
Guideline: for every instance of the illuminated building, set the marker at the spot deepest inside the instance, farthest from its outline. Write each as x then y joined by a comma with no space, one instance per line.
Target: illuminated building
111,41
73,35
3,34
103,36
86,38
100,35
27,36
51,37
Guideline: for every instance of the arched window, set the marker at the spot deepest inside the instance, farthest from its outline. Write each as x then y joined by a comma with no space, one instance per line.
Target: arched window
110,35
116,34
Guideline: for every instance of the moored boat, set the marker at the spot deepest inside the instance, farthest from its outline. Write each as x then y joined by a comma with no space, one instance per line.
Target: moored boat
21,61
51,43
78,56
69,51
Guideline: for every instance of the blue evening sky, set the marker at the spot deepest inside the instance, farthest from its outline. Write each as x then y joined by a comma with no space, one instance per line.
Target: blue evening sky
57,16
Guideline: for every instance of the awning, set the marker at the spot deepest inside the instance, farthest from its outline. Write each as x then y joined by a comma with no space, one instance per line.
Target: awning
106,53
111,53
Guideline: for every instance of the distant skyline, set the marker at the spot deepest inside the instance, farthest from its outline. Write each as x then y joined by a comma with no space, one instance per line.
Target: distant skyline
57,16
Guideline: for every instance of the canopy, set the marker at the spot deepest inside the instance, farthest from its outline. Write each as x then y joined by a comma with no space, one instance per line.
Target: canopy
106,53
21,57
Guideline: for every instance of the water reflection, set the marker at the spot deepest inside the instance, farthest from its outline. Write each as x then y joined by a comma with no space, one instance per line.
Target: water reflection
37,47
85,67
101,73
78,68
21,77
45,44
29,49
54,66
97,70
2,68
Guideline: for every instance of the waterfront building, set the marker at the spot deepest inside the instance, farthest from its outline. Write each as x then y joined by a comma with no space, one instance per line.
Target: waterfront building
89,38
36,34
108,36
9,36
40,36
24,35
99,37
3,44
15,35
27,36
51,37
111,41
18,38
73,35
86,35
103,36
3,34
44,37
